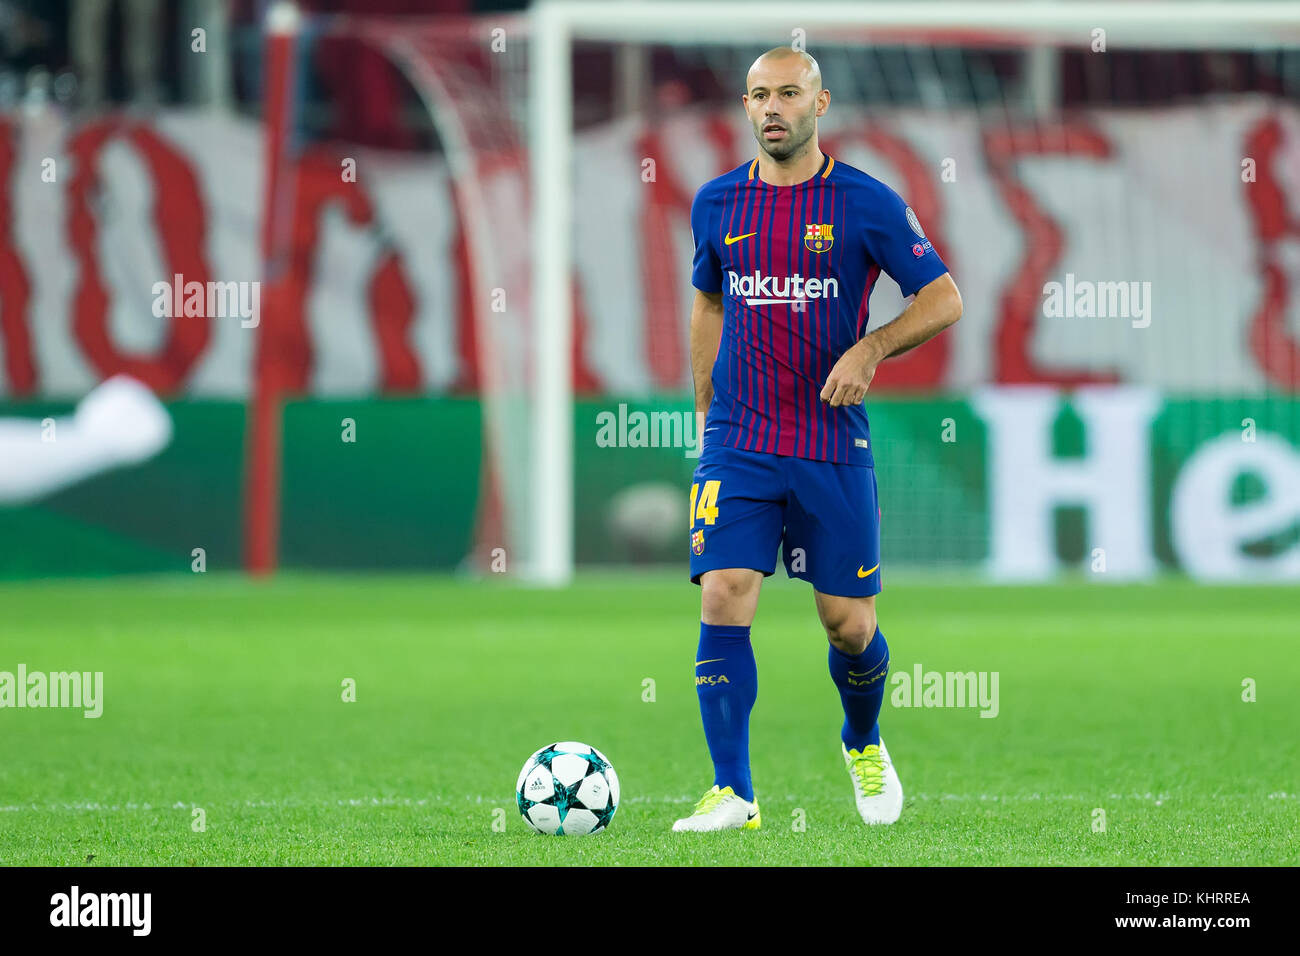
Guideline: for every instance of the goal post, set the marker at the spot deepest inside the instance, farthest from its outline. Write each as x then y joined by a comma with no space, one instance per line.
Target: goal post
550,162
557,24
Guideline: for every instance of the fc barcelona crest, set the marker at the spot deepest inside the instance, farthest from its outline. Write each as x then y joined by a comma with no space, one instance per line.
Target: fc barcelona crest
817,236
697,542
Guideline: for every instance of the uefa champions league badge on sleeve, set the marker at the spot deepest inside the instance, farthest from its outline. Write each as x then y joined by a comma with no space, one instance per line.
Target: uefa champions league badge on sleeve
697,542
921,248
914,223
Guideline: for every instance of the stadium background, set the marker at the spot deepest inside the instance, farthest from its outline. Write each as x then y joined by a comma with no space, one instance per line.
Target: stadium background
372,702
1115,167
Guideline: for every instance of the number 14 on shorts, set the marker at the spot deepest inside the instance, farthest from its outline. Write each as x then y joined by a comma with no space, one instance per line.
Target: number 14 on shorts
706,506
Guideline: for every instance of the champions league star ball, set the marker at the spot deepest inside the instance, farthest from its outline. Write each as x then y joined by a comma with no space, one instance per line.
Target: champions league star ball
567,789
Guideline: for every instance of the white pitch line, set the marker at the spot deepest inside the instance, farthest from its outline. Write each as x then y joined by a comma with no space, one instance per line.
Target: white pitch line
287,804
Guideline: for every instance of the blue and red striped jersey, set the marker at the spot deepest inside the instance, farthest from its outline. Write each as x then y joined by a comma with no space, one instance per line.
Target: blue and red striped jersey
796,266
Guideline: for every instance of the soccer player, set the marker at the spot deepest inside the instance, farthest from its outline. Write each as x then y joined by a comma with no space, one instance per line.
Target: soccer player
787,249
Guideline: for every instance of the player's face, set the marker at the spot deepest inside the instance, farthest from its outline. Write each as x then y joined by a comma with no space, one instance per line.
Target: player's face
783,103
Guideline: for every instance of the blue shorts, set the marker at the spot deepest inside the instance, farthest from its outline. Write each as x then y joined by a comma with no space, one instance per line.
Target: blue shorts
824,515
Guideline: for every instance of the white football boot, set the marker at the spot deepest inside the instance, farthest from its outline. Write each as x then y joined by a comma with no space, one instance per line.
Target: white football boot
876,786
721,810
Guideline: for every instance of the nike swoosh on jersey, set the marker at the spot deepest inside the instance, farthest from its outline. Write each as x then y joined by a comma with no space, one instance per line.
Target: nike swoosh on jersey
711,660
729,238
864,574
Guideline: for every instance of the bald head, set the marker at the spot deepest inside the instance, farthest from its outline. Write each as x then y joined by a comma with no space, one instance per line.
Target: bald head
784,97
787,61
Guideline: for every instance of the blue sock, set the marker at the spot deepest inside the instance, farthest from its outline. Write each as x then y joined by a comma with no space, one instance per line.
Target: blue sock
861,681
726,680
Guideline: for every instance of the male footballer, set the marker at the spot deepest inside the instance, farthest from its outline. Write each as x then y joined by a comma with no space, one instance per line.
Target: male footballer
787,249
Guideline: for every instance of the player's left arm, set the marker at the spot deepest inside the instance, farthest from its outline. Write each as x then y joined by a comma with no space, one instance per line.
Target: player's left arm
935,306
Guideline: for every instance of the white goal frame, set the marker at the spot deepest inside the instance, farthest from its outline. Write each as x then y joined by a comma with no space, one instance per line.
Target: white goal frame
556,24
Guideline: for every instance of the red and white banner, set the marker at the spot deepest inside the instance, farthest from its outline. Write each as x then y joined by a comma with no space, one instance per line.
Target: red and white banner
1196,210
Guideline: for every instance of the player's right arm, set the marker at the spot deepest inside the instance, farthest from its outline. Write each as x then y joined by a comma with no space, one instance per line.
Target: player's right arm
706,310
706,335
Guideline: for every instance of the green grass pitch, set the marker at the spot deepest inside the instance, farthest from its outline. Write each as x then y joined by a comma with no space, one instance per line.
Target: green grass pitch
226,695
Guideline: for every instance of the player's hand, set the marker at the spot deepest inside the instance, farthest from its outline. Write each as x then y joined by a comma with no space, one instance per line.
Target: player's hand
849,379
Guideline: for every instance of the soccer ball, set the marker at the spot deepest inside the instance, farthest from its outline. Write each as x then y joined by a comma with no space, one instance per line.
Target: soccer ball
567,789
